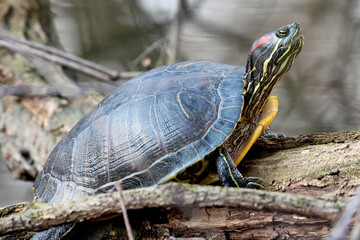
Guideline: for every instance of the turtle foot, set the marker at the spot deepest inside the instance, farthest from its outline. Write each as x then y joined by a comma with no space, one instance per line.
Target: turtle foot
253,182
268,134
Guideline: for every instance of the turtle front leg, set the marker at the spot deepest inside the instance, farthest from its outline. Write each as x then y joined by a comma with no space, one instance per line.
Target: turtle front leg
230,176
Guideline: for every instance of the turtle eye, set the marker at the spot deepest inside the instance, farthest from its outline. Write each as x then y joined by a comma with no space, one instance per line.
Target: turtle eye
282,33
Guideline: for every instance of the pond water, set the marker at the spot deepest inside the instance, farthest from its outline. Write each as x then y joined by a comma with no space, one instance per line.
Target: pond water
320,93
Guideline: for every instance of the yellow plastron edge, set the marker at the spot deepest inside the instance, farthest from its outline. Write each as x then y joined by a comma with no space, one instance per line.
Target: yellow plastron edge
267,115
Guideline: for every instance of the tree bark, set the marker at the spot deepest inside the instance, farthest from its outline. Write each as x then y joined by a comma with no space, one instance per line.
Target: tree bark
30,127
324,165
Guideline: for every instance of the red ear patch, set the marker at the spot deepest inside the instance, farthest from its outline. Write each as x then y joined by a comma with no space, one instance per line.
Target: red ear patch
261,41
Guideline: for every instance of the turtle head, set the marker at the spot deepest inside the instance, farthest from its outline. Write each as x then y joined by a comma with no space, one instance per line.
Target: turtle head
270,57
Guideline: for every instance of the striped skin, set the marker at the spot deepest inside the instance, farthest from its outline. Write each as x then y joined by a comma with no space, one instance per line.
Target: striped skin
266,65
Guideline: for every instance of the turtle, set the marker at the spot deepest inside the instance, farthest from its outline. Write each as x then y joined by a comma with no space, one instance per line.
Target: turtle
189,122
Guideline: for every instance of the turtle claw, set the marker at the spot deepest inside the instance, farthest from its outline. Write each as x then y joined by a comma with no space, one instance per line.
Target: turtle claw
268,134
273,135
255,186
254,183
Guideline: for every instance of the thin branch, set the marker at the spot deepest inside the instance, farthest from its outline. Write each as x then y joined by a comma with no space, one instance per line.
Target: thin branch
148,50
123,209
63,90
171,42
170,51
341,227
57,56
128,75
40,90
40,216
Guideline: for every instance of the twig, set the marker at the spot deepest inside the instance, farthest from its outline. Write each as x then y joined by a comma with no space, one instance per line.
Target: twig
355,233
148,50
339,231
170,51
177,25
123,208
63,90
127,75
57,56
39,91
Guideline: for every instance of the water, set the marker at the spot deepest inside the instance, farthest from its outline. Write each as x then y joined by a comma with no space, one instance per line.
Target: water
320,93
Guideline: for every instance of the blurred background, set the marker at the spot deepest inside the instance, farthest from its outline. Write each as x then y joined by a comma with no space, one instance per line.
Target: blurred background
319,93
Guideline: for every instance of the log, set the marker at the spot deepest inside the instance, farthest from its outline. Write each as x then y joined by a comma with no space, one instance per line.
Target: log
324,165
191,199
215,212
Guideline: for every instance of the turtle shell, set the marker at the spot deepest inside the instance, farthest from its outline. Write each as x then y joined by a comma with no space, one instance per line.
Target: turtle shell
146,131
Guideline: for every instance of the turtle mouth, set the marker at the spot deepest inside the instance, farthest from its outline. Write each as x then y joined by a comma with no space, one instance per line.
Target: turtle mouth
299,37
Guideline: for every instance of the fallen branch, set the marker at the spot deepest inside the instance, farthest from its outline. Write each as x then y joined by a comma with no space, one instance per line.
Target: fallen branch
40,216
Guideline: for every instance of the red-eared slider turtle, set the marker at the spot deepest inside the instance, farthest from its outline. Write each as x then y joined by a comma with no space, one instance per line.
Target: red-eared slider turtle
191,122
